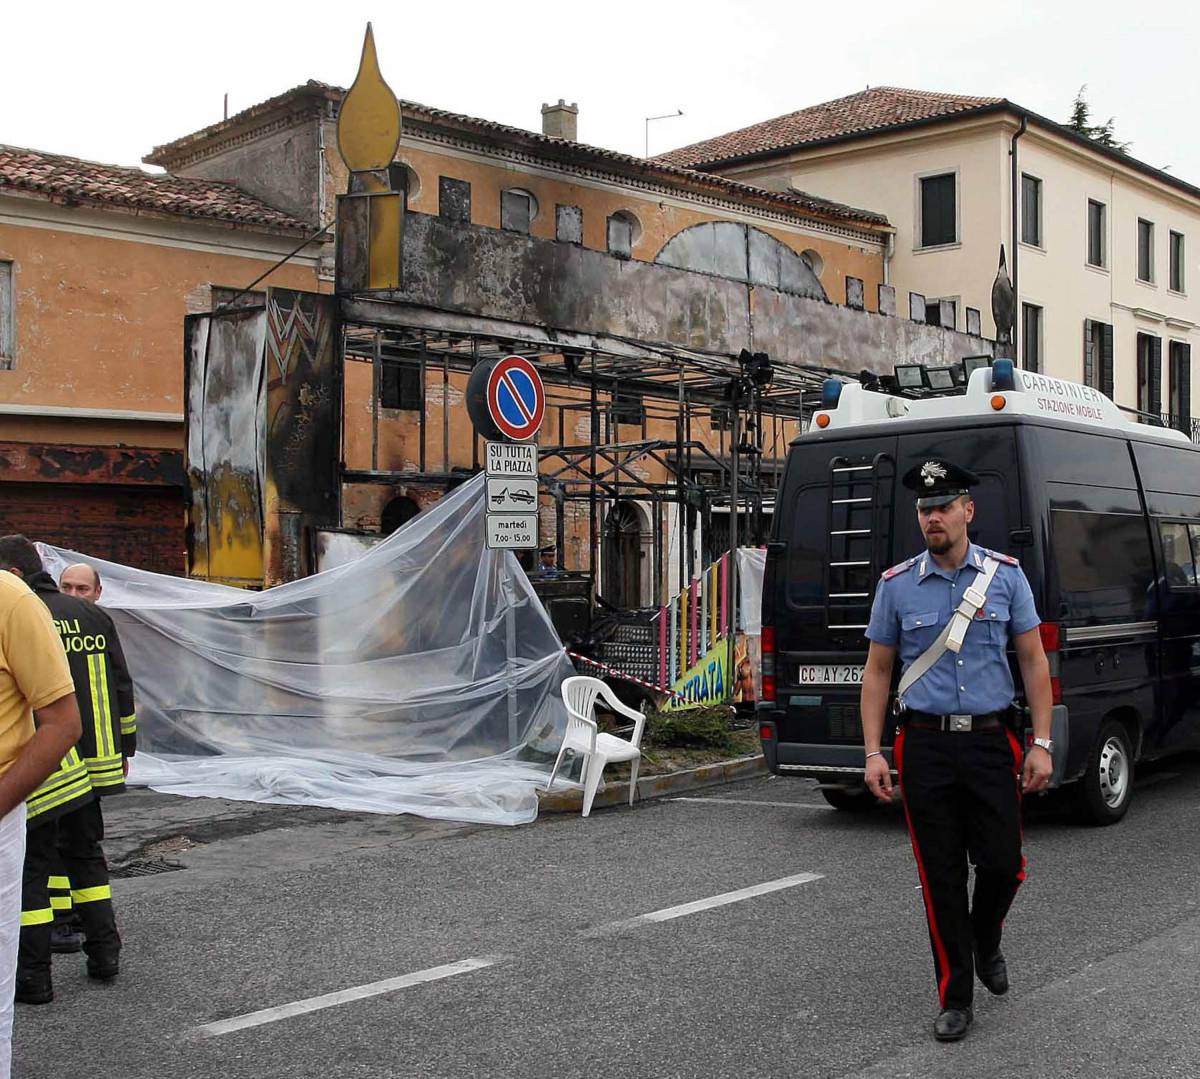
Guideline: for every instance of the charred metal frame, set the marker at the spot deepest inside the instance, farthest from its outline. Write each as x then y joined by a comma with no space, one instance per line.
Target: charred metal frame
582,374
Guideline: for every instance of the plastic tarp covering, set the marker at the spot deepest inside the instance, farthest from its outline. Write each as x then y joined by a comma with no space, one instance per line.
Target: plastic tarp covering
421,678
751,565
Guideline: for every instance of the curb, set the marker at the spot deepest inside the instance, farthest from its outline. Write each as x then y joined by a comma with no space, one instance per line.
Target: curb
707,775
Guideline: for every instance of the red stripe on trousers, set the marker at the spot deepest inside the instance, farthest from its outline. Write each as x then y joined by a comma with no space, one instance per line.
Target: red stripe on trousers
1018,760
938,947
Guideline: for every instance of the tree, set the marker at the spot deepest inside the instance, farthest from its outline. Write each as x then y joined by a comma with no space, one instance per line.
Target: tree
1101,133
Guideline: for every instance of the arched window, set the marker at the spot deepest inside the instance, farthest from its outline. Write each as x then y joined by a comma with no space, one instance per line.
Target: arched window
396,513
412,179
744,253
623,232
518,208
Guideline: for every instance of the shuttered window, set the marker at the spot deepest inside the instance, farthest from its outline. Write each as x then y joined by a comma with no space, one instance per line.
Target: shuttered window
939,211
1031,210
1096,226
1145,250
1180,390
1031,336
1098,356
1149,373
1177,279
8,335
400,385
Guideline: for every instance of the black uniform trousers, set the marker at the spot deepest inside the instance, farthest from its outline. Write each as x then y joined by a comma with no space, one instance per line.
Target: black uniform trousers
76,838
962,799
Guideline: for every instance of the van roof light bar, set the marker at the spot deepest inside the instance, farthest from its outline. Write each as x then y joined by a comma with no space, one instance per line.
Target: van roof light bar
911,376
991,389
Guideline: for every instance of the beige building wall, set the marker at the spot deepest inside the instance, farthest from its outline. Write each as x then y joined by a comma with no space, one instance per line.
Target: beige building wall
882,174
1057,276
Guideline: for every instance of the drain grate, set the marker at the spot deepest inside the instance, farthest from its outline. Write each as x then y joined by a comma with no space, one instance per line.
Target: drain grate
144,868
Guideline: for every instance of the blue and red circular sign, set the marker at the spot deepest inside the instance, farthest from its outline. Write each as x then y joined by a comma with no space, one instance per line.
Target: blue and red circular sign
516,399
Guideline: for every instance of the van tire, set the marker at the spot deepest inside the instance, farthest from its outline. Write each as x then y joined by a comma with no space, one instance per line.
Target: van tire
849,799
1106,788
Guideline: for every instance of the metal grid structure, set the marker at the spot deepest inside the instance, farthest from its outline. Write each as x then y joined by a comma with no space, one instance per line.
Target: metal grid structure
597,378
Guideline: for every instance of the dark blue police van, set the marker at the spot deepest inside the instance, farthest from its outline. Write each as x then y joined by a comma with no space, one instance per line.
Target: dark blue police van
1103,513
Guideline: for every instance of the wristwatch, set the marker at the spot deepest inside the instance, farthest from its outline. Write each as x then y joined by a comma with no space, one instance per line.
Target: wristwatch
1046,743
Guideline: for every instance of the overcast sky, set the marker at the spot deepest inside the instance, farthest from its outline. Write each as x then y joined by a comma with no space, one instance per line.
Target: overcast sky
109,81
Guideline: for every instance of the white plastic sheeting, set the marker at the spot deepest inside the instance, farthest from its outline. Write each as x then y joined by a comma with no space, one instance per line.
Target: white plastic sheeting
422,678
751,565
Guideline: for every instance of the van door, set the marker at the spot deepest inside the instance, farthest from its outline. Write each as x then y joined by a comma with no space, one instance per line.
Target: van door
837,528
833,540
1170,479
991,453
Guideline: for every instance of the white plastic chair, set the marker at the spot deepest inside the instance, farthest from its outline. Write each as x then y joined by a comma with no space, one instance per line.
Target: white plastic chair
597,749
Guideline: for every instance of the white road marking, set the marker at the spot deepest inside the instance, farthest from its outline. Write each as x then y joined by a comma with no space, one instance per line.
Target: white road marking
697,905
346,996
746,802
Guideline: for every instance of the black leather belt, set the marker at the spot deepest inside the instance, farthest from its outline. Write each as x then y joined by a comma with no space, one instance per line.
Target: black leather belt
930,721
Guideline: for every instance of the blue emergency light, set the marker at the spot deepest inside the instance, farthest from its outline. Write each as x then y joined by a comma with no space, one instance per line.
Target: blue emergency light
1003,375
831,392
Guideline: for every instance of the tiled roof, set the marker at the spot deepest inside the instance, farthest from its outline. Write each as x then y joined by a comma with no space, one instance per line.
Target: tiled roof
875,109
543,145
70,179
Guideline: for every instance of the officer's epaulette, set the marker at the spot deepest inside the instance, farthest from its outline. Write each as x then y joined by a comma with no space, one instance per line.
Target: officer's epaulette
899,568
1007,558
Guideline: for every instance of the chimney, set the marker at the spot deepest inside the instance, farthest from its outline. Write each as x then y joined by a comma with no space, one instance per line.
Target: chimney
561,121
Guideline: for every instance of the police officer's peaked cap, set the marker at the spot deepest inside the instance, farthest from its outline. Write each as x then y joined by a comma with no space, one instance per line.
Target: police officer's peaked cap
937,482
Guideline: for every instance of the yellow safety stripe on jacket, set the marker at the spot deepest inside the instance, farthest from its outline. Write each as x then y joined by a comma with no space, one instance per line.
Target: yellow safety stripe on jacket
101,712
60,902
37,917
70,781
109,773
91,895
129,724
63,884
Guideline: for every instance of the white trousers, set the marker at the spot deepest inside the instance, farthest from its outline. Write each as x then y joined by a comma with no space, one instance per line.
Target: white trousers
12,859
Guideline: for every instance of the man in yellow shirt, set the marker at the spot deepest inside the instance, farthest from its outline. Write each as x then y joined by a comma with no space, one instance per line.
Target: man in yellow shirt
39,723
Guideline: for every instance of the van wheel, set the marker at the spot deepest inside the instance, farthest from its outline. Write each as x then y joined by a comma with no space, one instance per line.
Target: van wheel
1106,788
850,799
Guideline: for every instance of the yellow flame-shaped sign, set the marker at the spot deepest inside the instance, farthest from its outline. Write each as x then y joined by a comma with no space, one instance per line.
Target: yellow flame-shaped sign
368,130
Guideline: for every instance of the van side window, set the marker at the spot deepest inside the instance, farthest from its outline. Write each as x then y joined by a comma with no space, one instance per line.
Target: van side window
1105,569
806,549
1180,544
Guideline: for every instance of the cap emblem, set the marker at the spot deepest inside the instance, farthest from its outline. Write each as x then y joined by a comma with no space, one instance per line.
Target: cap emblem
931,471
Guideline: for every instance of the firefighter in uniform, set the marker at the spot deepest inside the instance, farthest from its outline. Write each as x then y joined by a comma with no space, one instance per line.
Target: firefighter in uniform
950,614
64,813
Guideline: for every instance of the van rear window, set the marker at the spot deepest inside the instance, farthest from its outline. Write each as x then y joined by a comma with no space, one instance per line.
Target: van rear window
806,547
1105,568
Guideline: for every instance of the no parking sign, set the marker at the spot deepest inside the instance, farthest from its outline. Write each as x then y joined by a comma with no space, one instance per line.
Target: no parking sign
506,399
516,399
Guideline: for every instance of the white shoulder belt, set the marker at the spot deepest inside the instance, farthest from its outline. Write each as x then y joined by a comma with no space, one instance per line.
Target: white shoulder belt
951,638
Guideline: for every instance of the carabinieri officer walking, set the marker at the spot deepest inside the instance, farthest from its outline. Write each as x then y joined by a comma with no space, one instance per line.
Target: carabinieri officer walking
950,614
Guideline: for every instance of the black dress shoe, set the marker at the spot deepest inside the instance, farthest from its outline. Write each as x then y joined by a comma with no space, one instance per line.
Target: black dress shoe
993,972
34,989
65,939
952,1024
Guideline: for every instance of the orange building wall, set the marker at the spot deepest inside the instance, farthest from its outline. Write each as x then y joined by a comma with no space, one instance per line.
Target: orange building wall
99,324
659,219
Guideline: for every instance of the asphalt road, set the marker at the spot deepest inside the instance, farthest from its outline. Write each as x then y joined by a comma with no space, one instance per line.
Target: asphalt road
523,952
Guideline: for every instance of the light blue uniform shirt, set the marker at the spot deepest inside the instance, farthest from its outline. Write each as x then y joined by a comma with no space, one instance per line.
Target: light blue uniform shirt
915,600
